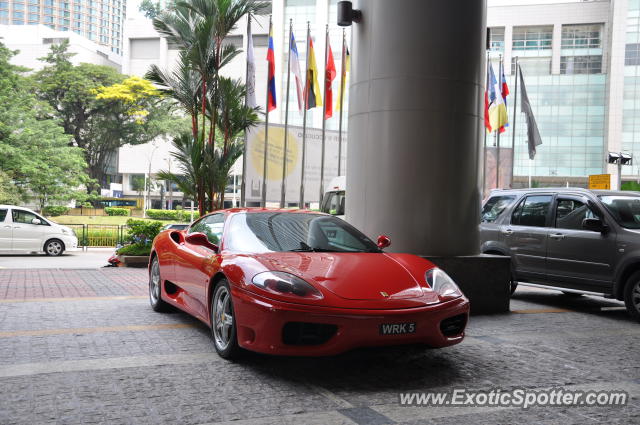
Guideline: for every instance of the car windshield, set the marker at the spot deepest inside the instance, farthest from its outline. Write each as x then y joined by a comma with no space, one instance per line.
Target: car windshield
624,209
283,231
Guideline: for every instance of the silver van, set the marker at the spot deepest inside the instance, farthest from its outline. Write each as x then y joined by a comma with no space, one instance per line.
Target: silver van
574,240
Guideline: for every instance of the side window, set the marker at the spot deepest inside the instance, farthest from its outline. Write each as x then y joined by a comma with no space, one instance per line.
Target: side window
211,225
570,213
3,214
24,217
494,207
532,211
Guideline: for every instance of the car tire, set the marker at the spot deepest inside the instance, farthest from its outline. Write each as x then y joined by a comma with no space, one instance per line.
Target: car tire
155,287
632,295
54,247
223,323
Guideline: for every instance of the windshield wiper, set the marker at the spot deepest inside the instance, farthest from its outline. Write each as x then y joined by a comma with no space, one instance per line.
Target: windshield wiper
306,248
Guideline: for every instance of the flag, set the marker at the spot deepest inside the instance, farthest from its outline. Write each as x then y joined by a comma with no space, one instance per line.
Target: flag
533,135
271,80
346,67
487,121
504,91
294,66
312,96
497,108
251,69
329,76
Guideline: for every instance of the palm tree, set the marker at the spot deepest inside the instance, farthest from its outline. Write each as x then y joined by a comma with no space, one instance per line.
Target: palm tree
191,169
199,28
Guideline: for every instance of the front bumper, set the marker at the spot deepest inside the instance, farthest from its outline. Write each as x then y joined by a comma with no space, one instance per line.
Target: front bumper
70,243
260,323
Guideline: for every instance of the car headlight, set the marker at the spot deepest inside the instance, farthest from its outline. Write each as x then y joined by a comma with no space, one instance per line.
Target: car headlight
286,284
444,286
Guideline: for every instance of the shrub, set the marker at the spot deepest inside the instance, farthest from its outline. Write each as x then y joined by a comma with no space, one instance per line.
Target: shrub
163,214
135,249
87,205
116,211
55,210
142,231
176,215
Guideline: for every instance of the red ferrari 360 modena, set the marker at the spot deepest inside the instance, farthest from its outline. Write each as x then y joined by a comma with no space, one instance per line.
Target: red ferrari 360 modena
301,283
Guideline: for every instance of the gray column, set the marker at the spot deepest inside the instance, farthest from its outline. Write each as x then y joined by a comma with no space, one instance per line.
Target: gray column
415,124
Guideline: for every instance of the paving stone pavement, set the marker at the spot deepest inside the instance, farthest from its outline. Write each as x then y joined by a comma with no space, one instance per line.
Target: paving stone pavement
83,346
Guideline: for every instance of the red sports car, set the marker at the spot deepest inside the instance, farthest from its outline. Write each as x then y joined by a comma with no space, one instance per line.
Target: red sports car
301,283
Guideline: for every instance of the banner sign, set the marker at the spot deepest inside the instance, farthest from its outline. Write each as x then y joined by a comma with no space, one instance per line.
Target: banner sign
255,158
600,181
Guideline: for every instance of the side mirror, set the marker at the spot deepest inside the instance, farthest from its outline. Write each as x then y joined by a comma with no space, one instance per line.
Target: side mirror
36,221
594,224
199,238
383,241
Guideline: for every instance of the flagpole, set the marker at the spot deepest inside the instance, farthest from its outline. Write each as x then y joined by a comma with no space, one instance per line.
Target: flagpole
243,184
343,77
263,202
484,128
286,123
324,114
304,117
513,128
498,129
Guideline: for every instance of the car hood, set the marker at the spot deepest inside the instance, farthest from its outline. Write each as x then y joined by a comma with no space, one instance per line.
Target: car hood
356,276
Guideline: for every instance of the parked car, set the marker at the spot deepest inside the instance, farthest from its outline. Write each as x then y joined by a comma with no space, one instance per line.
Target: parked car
22,230
334,197
574,240
175,226
301,283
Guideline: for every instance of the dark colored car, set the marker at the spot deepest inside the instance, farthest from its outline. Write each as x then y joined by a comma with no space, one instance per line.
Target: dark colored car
574,240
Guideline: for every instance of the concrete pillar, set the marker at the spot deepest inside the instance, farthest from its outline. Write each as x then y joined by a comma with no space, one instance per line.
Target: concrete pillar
415,124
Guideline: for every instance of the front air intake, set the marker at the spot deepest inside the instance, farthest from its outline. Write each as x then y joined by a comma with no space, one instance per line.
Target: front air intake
301,333
453,326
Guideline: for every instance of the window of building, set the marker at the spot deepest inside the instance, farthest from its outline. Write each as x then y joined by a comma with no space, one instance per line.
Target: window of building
136,182
581,36
496,39
632,54
18,6
18,15
4,13
48,19
48,11
48,2
532,66
33,1
532,38
34,17
35,9
581,64
4,5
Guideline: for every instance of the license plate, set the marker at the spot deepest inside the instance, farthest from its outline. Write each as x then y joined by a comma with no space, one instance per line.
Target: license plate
397,328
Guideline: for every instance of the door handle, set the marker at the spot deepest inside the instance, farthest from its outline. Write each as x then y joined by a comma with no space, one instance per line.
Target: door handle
507,232
557,236
7,227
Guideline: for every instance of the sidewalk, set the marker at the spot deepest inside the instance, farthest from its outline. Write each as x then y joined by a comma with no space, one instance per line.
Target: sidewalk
93,258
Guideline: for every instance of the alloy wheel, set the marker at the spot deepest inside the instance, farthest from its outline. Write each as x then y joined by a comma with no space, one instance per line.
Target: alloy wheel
154,283
222,318
54,248
635,296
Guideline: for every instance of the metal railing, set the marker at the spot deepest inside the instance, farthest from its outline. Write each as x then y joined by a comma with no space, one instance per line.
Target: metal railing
99,235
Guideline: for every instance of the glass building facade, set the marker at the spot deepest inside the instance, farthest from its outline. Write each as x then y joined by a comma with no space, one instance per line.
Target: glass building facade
631,102
98,20
569,104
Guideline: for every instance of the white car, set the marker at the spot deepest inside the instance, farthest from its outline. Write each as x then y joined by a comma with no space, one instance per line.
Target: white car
23,230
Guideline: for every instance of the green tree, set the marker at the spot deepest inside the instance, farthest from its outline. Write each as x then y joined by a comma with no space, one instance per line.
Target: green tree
8,191
35,154
102,109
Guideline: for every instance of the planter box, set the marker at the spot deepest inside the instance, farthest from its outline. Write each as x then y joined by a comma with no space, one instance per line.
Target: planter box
133,260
